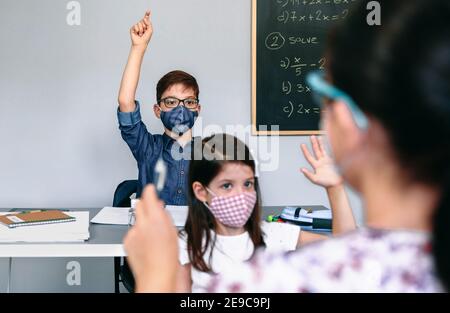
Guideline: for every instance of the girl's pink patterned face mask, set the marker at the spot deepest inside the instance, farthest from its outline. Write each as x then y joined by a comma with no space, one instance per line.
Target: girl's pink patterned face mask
232,211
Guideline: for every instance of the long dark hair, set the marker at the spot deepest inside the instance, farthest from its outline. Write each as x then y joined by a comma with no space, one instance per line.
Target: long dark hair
399,73
208,158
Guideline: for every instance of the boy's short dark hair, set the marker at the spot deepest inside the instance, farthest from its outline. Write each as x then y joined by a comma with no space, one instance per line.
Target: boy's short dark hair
176,77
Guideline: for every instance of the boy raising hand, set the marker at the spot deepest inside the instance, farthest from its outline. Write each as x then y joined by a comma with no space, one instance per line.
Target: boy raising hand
177,105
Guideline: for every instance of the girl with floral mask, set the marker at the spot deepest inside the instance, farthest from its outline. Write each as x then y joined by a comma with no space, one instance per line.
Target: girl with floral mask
224,224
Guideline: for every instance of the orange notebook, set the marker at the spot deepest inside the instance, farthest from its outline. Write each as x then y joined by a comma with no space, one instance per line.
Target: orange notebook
35,218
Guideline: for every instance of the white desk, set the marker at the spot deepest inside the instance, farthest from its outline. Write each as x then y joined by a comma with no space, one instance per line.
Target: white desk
104,241
104,245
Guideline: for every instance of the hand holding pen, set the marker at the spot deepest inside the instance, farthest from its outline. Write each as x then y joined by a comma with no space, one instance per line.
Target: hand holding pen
159,179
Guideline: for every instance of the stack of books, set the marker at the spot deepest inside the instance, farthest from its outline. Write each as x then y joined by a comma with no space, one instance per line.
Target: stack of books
44,226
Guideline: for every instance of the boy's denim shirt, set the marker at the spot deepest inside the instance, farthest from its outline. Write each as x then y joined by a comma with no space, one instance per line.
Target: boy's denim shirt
147,149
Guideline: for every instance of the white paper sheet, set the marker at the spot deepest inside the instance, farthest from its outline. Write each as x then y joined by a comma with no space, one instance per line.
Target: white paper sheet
112,216
178,213
119,216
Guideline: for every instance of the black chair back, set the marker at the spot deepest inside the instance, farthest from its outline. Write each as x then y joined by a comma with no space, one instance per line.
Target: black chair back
122,200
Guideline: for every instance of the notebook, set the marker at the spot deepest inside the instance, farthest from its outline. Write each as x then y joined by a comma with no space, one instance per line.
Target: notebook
316,213
35,218
77,231
308,218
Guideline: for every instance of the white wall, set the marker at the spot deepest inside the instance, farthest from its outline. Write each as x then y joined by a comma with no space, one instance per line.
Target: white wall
60,144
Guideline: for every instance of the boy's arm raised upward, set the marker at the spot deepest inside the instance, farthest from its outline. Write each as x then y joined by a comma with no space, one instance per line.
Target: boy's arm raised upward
140,34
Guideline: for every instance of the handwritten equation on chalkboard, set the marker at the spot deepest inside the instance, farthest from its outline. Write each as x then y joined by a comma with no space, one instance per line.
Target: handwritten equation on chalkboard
288,42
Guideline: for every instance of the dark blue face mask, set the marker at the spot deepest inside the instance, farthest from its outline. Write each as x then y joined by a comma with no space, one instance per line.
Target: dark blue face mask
179,120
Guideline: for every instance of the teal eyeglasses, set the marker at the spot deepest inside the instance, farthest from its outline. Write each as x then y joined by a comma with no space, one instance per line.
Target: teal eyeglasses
322,89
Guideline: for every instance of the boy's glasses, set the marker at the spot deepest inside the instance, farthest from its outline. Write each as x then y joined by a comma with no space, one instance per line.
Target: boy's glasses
172,102
324,92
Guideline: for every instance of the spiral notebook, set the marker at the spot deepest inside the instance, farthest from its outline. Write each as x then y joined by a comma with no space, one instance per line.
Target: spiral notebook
35,218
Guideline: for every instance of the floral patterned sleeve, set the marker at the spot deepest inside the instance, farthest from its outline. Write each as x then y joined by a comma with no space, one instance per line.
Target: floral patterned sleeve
263,273
363,261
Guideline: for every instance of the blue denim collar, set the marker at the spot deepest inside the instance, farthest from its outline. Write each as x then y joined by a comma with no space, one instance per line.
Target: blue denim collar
169,141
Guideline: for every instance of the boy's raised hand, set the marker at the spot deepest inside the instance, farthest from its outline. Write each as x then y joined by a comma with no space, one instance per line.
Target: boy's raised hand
324,174
142,32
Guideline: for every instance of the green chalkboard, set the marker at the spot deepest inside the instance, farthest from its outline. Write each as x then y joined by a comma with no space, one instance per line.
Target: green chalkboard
288,41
